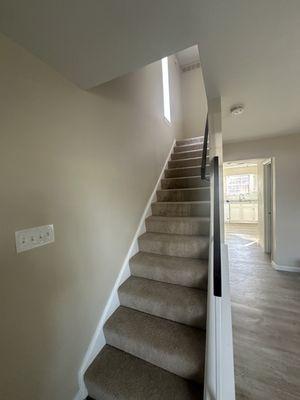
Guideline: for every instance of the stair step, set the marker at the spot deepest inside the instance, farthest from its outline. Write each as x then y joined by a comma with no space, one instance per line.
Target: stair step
181,209
177,348
183,142
186,154
116,375
174,245
183,182
178,225
188,147
190,194
188,162
177,303
183,172
188,272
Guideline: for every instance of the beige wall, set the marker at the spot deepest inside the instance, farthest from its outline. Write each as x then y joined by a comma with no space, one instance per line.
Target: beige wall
86,162
286,153
194,103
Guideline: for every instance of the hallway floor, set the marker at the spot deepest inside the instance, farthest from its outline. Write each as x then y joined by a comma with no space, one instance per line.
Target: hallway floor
266,324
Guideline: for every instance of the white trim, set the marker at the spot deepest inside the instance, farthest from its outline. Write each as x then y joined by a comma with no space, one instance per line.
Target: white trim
81,394
98,339
286,268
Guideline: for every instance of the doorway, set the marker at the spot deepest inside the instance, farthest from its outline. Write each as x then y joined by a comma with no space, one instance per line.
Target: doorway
248,202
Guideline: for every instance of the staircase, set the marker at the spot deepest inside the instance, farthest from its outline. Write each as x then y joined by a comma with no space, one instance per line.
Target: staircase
156,339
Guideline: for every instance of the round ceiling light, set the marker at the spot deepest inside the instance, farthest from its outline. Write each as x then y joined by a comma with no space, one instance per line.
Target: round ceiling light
237,109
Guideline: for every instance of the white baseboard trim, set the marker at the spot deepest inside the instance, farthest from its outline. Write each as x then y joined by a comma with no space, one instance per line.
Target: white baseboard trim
81,394
285,268
98,339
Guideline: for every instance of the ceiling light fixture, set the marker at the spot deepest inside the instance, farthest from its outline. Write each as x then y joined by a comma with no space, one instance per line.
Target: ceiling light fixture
237,109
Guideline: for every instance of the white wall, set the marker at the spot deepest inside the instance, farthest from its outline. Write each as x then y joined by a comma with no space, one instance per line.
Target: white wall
86,162
286,153
194,103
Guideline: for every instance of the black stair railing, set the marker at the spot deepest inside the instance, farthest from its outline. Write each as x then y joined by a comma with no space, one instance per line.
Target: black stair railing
217,231
204,151
217,261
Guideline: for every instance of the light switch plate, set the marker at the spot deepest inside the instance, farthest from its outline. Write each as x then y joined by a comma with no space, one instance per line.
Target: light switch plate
28,239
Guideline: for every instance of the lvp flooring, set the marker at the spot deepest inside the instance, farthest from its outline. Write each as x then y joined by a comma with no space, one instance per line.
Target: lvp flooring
266,323
250,230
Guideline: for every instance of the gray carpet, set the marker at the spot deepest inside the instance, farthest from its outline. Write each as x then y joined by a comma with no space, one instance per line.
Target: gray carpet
155,340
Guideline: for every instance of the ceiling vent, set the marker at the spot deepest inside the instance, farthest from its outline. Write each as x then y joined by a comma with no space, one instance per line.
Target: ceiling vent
190,67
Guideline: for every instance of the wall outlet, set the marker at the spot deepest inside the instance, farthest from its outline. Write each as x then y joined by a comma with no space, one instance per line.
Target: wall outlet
28,239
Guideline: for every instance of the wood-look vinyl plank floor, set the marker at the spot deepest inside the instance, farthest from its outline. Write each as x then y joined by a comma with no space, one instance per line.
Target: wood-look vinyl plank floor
266,323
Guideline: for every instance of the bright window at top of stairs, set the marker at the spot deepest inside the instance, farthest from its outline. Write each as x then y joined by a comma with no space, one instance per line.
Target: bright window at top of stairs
166,88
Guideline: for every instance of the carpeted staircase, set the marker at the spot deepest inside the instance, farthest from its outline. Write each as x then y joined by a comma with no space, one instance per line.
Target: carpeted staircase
156,339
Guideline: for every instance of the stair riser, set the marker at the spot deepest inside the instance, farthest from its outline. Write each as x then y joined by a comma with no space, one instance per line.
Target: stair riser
192,249
178,227
185,163
182,172
188,154
181,210
183,195
185,275
195,146
183,183
193,314
189,141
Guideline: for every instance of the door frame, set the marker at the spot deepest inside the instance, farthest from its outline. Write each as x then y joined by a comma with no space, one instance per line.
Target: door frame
268,205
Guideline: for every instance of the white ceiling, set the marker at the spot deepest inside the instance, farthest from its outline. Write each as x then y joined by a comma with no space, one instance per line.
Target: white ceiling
249,50
94,41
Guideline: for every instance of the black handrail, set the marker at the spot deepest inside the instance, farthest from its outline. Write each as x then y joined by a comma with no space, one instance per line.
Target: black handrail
204,151
217,231
217,271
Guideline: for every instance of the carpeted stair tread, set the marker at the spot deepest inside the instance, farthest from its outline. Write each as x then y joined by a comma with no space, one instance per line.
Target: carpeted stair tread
183,182
116,375
188,147
187,162
174,245
174,302
186,154
194,170
188,272
183,142
178,225
181,208
184,194
177,348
